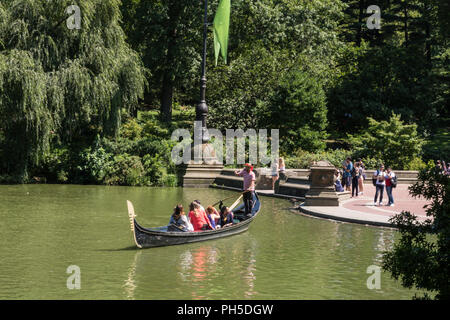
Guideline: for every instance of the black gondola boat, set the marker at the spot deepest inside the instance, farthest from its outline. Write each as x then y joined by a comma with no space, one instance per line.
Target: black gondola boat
163,236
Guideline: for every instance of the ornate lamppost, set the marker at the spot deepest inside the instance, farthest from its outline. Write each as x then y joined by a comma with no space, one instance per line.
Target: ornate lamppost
202,109
204,154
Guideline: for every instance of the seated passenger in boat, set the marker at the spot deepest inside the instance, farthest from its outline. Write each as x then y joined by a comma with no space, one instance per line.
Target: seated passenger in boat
200,205
226,217
198,218
179,219
213,216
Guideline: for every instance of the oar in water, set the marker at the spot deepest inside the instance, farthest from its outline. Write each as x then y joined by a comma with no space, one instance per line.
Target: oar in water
236,202
242,193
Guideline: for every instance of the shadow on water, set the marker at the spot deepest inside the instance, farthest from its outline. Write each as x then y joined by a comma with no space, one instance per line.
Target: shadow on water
129,248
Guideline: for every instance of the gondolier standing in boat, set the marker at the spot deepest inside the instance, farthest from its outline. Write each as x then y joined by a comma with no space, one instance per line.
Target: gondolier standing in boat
249,186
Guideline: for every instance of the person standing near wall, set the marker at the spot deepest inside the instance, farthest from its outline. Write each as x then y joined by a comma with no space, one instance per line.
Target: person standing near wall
379,182
391,182
356,173
347,176
274,173
282,168
362,177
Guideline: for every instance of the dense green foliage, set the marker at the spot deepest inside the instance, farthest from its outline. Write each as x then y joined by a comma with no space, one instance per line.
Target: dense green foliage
168,35
421,257
97,105
80,105
391,142
272,41
303,159
59,84
387,80
401,68
299,96
138,156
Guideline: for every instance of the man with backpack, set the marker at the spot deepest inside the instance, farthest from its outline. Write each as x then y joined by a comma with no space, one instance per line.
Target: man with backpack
391,182
378,181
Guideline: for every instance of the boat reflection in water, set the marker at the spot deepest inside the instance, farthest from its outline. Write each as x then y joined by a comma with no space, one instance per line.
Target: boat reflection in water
198,270
130,283
204,266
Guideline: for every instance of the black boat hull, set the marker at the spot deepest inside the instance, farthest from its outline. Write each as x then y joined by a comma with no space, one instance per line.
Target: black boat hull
158,237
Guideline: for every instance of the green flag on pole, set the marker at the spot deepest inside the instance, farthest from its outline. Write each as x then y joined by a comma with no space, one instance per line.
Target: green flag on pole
221,28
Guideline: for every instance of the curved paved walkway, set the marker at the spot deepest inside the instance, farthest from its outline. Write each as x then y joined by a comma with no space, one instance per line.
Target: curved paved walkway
362,210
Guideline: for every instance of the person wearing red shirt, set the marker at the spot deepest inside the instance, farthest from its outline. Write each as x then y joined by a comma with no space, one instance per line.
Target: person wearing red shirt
198,218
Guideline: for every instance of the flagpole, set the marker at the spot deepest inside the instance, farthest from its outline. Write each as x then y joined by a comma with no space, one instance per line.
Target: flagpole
202,108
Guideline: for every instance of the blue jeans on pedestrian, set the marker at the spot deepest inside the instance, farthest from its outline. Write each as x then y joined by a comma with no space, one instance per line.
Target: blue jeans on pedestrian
389,193
380,188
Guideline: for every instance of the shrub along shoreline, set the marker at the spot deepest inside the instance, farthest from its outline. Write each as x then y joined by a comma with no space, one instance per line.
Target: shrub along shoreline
141,155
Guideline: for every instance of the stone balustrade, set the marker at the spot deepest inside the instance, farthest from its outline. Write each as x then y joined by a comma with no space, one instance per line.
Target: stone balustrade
298,181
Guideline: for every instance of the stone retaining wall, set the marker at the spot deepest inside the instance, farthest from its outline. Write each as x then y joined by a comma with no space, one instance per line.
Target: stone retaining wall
297,183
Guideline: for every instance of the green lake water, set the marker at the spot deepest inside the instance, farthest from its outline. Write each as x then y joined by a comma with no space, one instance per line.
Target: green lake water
284,255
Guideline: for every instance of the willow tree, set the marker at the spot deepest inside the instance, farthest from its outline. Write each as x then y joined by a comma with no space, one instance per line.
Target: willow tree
56,80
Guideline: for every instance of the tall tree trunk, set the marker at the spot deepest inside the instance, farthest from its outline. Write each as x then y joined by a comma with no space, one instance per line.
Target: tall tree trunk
168,81
166,98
